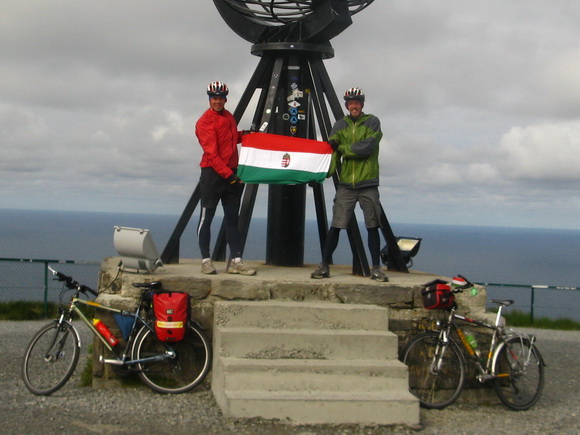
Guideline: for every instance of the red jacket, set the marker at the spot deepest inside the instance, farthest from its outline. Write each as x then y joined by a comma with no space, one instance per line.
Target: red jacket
218,135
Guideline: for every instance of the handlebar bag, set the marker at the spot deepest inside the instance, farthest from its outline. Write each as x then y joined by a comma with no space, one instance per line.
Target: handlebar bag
171,311
437,297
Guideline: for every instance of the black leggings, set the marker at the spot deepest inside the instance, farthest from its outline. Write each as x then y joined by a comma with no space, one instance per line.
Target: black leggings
374,243
232,231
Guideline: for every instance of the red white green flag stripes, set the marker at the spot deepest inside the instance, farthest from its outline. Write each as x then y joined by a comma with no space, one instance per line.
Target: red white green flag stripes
275,159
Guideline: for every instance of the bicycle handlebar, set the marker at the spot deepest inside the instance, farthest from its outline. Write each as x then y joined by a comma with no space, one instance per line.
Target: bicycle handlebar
468,284
69,282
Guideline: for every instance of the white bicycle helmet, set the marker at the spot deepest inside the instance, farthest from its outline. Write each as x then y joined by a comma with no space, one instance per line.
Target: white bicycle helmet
217,89
354,94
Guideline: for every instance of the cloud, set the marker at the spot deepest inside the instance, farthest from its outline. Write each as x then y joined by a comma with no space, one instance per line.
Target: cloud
478,103
22,135
546,152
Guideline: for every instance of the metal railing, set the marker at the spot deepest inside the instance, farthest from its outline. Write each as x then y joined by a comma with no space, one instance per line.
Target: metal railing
557,303
25,279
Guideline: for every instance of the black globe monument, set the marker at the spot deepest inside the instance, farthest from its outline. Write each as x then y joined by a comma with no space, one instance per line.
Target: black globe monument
292,38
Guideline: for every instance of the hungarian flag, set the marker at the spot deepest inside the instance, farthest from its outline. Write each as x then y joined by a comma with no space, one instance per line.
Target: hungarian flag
275,159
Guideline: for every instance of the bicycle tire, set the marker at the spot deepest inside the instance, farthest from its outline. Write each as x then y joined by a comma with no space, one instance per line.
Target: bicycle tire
435,388
519,368
175,375
50,358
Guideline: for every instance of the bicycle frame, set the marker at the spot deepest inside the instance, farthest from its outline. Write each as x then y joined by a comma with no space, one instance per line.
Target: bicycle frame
452,324
119,359
498,341
438,362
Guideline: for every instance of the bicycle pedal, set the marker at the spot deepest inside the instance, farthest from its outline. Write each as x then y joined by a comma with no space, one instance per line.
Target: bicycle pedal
111,361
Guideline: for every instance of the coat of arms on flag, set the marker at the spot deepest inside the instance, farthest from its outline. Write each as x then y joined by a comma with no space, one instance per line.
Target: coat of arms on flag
275,159
286,160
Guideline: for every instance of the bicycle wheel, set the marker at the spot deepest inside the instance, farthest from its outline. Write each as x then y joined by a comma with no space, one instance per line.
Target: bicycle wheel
436,370
519,368
177,374
51,358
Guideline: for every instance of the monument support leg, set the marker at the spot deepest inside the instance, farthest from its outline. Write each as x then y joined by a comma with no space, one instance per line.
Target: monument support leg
171,252
395,258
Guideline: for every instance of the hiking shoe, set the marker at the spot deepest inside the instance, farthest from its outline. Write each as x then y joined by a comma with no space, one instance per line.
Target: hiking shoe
378,275
240,268
322,272
208,268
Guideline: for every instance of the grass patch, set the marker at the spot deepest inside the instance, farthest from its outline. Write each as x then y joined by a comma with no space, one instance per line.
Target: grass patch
24,310
87,373
29,310
519,318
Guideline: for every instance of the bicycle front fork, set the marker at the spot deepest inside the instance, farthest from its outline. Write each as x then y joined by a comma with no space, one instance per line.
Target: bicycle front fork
442,344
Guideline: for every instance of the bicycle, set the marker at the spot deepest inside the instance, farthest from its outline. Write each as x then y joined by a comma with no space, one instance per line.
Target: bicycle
437,365
166,367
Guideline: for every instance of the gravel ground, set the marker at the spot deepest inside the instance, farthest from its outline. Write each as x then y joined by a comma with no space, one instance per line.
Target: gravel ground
136,410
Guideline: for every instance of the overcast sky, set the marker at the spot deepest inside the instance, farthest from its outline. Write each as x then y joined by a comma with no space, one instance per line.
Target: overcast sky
479,104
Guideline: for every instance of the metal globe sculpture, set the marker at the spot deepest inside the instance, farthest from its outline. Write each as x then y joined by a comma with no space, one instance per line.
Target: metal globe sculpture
283,21
283,11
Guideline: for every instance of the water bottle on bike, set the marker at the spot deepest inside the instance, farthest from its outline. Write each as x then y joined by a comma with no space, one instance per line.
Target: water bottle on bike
105,332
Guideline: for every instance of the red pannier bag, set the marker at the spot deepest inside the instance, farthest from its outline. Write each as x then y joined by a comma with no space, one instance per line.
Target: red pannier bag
171,315
437,295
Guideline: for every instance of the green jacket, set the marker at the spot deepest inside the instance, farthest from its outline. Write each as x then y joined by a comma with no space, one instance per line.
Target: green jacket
357,155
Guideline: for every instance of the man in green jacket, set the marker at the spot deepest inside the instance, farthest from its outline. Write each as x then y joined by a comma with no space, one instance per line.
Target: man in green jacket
355,140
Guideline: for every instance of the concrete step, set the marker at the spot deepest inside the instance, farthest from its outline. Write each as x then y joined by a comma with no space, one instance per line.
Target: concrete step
259,343
397,407
309,363
300,315
314,375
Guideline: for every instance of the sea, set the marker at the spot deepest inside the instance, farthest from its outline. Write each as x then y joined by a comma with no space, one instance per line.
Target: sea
492,255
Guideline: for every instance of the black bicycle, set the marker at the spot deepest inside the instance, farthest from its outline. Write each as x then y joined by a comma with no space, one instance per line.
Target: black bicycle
167,367
437,362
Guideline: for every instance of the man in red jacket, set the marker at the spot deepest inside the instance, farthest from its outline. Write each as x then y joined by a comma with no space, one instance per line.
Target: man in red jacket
218,135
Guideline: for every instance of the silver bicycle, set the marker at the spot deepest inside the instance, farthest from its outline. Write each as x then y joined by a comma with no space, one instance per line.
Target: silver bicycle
437,358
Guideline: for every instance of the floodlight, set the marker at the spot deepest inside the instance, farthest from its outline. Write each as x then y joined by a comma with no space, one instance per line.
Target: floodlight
137,250
409,246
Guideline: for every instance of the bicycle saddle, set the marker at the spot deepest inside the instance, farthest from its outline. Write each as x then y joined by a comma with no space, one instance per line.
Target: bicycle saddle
148,285
504,302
